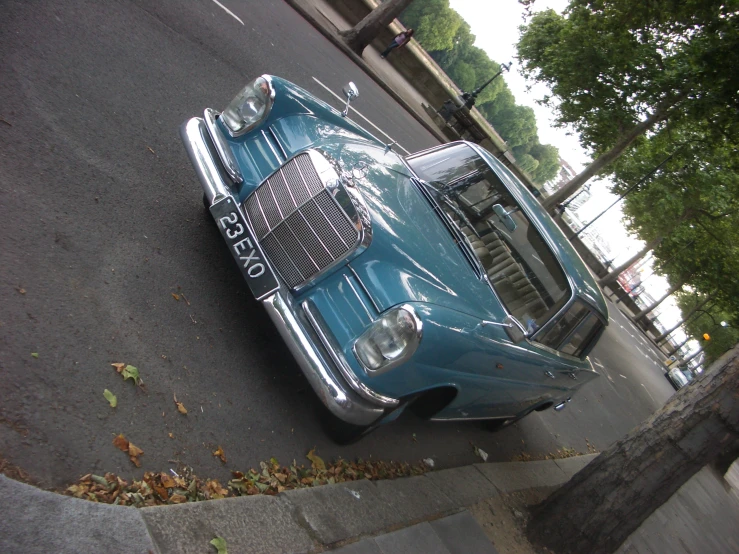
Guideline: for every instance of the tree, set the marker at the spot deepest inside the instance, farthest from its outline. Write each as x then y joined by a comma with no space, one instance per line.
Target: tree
364,32
436,24
607,500
617,71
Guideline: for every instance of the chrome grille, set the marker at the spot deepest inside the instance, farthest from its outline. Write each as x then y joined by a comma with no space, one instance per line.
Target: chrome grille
299,224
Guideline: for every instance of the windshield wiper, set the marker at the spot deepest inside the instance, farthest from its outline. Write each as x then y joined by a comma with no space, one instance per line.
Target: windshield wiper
459,237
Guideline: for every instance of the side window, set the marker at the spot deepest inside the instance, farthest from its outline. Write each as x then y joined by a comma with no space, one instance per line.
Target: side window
560,330
581,338
573,333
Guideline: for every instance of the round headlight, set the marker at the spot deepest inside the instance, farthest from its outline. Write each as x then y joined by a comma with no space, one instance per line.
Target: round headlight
390,340
249,107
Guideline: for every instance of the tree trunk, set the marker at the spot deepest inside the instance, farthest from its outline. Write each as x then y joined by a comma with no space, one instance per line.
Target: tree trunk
367,30
661,112
610,498
651,308
685,319
613,275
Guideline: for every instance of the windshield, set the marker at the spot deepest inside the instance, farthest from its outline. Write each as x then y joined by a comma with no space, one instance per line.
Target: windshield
522,269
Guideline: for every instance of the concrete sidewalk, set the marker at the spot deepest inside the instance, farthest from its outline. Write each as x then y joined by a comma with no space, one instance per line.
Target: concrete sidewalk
463,510
420,514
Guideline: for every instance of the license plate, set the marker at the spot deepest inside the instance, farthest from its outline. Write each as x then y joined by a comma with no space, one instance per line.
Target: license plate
244,248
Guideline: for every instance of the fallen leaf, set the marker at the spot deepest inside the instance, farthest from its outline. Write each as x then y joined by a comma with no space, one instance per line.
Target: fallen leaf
133,453
130,372
176,296
22,291
177,499
150,150
118,367
171,435
110,397
34,354
181,408
220,454
429,462
219,544
121,443
316,462
167,481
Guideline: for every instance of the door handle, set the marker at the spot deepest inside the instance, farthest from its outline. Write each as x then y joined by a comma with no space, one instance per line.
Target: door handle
550,374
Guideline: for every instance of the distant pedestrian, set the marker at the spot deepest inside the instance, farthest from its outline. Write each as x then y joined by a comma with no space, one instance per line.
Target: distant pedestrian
400,40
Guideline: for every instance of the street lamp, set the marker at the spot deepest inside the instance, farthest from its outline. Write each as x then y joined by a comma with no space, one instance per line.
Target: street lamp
469,97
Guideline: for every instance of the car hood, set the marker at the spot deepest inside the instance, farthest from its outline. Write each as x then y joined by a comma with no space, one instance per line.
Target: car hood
412,255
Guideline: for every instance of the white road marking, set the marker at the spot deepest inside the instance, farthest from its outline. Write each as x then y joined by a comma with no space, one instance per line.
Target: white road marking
624,376
650,396
340,99
596,362
229,12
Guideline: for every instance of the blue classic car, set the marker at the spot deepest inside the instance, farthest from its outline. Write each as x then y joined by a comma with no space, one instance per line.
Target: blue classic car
434,282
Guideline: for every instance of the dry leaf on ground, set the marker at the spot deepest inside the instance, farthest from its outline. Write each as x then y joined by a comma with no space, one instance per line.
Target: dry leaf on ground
180,406
129,448
316,462
220,454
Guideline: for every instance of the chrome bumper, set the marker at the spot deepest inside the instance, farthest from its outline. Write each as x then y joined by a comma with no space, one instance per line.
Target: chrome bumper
333,391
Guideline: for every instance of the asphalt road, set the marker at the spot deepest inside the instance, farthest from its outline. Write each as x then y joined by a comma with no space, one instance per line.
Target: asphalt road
101,222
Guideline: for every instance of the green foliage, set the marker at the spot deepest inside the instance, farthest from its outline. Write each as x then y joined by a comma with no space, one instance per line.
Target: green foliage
610,63
450,42
720,325
692,201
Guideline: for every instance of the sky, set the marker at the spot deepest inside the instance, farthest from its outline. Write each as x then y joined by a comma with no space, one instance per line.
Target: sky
495,25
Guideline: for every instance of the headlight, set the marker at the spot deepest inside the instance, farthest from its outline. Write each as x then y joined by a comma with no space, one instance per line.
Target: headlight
249,107
390,340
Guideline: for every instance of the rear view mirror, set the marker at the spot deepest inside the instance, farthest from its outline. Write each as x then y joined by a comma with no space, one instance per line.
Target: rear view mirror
350,92
505,217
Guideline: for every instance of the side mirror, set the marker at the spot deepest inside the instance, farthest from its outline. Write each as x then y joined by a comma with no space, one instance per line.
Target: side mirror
505,217
514,330
350,92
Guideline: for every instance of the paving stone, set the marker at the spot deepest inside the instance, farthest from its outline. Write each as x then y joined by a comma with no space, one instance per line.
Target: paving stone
461,534
516,476
570,466
34,520
367,546
418,539
464,486
339,512
414,498
254,524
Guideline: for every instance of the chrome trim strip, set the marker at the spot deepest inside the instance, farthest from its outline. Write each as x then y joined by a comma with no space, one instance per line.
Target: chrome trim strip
224,150
348,280
364,288
316,320
344,404
269,142
471,418
279,144
203,156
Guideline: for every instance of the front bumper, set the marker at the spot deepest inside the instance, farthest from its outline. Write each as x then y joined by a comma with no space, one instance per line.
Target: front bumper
345,396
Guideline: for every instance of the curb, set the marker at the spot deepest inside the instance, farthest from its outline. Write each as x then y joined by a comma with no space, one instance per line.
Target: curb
325,29
306,520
